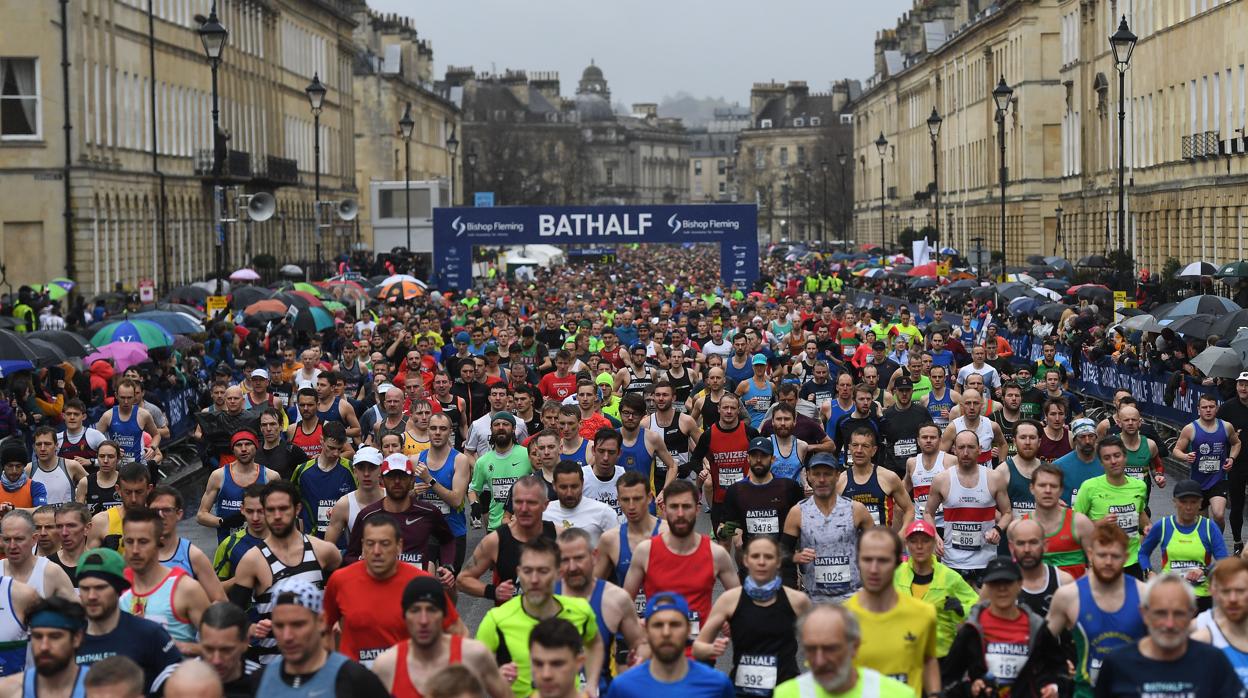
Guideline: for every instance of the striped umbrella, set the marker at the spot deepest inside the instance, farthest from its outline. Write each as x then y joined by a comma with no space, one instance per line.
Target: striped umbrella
149,334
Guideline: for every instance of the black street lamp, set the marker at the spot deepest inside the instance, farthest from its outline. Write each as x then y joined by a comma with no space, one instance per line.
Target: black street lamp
824,166
881,145
786,193
806,197
470,174
452,147
1058,237
214,37
316,97
1001,95
405,130
841,159
1123,44
933,128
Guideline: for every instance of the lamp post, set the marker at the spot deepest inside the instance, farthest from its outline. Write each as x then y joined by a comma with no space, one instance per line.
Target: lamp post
824,166
786,193
452,147
471,172
933,128
1002,94
1123,44
1058,237
841,159
806,197
316,97
881,145
405,130
214,36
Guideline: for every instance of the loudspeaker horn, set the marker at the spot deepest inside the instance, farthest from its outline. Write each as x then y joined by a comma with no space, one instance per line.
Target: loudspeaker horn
348,209
261,207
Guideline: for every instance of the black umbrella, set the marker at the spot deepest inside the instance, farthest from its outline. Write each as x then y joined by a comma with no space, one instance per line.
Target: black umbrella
174,308
1228,325
49,354
1036,259
1197,326
1061,265
192,295
69,343
924,282
262,318
1094,294
9,322
247,295
14,347
293,299
1052,311
1011,290
1093,261
1059,285
983,293
963,284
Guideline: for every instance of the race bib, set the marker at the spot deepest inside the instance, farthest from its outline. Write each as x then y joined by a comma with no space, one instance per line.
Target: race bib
755,525
639,601
1094,669
905,449
1128,518
728,478
695,625
1021,508
1208,466
833,570
1005,660
965,536
322,512
877,514
756,674
500,490
1182,566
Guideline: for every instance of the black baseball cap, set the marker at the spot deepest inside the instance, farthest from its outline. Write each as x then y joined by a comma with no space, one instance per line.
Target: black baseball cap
761,444
823,459
903,383
1187,488
1002,569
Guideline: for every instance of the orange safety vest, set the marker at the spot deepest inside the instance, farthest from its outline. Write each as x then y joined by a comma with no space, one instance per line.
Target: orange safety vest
21,499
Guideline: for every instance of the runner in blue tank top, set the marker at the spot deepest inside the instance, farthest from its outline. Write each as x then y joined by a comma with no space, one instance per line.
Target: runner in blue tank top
783,465
939,408
1104,618
445,476
757,392
128,434
638,457
1209,445
626,552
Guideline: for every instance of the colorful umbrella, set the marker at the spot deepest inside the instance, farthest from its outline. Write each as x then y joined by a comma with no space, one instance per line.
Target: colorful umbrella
334,306
312,299
924,270
269,305
142,332
57,288
401,291
308,288
400,277
313,320
123,355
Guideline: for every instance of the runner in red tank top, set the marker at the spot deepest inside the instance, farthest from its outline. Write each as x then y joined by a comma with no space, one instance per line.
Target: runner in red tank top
306,433
428,649
681,560
722,450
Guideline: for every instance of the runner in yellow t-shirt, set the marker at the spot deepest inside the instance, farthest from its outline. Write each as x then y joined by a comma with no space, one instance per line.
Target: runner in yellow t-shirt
898,632
824,633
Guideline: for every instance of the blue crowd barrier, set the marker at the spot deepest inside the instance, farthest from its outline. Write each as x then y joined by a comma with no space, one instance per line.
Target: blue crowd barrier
180,405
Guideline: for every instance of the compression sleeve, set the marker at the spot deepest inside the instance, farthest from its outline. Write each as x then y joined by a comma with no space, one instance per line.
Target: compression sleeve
240,596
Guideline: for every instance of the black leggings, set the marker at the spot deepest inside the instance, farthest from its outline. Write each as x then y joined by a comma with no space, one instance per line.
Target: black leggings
1237,482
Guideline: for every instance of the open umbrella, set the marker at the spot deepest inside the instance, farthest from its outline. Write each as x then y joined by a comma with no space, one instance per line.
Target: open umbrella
948,252
407,290
924,282
49,354
1193,325
983,293
1143,323
1052,311
1219,362
291,270
313,320
1024,305
268,305
1093,293
1059,285
1228,325
14,347
245,275
122,354
262,318
963,284
1037,259
1022,278
1206,303
1062,266
142,332
1240,345
175,308
190,295
174,323
1197,269
923,270
1233,270
1011,290
334,306
57,288
396,278
247,295
1045,293
1093,261
70,343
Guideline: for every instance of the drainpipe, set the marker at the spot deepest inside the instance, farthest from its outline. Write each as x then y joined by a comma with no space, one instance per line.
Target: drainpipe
162,228
68,128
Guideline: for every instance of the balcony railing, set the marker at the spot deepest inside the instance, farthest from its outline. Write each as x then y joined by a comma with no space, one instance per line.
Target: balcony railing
237,164
277,170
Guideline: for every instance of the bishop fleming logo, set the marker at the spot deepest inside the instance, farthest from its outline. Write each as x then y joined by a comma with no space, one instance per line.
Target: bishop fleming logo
458,226
674,222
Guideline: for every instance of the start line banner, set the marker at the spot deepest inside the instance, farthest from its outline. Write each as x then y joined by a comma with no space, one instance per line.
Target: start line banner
734,226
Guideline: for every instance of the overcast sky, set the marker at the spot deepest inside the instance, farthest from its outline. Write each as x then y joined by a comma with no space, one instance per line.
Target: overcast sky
649,49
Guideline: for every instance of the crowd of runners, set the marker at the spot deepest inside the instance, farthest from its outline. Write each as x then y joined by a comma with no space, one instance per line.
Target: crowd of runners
663,487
